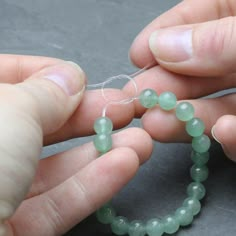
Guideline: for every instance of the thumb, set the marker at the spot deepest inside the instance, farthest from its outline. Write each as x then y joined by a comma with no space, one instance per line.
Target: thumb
38,106
206,49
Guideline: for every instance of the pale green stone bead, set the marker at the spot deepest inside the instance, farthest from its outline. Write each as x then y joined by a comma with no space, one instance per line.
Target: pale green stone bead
193,205
106,214
200,159
184,111
171,224
195,127
136,228
184,216
196,190
148,98
103,142
154,227
201,144
103,125
167,101
199,173
120,225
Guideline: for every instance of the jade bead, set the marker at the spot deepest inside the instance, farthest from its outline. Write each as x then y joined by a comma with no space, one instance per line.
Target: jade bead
148,98
200,159
201,144
106,214
171,224
184,216
103,125
184,111
195,127
154,227
120,225
199,173
167,101
193,205
136,228
196,190
103,142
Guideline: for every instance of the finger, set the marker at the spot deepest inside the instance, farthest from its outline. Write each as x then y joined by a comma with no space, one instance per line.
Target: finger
186,12
205,49
39,105
70,162
168,129
64,206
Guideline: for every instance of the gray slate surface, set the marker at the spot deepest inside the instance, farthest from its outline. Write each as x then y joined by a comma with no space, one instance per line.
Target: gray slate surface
97,34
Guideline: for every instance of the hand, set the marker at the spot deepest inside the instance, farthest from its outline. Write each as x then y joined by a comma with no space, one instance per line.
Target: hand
194,47
39,102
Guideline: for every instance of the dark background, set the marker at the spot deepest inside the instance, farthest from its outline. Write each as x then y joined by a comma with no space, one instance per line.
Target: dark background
97,35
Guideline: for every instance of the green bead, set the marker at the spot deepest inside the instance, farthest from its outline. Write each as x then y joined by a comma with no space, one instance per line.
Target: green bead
184,216
171,224
199,173
196,190
184,111
148,98
106,214
103,142
103,125
120,225
200,159
154,227
201,144
167,101
195,127
136,228
193,205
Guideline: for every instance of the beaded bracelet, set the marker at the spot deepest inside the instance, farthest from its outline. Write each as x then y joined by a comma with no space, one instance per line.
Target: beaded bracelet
191,206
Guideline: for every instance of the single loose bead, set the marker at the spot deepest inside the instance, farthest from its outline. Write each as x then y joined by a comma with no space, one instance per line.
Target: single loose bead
201,144
184,216
154,227
184,111
167,101
103,142
120,225
106,214
103,125
193,205
195,127
148,98
171,224
196,190
199,173
136,228
200,159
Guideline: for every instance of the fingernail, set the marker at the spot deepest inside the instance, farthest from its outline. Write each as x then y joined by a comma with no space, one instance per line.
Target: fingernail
214,135
68,76
172,44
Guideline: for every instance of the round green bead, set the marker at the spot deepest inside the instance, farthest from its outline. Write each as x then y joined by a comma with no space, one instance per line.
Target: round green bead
195,127
200,159
196,190
103,142
120,225
136,228
148,98
193,205
184,111
154,227
201,144
184,216
167,101
103,125
199,173
171,224
106,214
